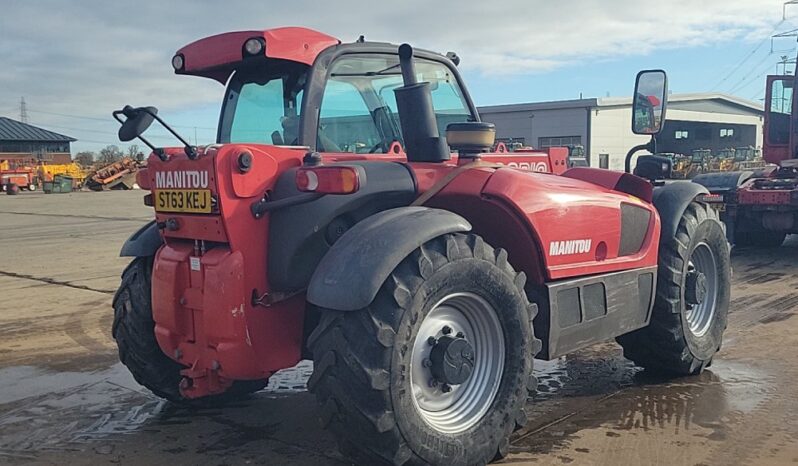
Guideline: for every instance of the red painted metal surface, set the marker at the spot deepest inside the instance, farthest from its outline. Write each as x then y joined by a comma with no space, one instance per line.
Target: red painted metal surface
618,181
559,209
216,57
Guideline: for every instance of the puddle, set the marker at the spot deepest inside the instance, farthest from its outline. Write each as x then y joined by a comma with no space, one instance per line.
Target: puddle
44,411
694,406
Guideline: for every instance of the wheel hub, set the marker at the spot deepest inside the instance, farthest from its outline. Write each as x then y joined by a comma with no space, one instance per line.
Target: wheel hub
452,360
695,287
457,362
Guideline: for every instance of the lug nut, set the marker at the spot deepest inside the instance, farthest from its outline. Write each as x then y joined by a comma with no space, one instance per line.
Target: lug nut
431,341
460,335
445,388
446,330
426,363
433,383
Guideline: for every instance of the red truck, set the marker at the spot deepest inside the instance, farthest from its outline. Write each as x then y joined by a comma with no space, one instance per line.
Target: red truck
761,207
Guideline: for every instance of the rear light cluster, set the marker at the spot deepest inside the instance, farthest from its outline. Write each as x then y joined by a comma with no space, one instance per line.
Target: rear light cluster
330,179
710,198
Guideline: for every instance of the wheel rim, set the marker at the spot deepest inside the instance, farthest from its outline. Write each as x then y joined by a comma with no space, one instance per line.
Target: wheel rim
699,316
464,404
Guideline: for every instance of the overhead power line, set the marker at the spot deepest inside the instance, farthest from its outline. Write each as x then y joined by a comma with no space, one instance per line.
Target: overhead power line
748,56
107,120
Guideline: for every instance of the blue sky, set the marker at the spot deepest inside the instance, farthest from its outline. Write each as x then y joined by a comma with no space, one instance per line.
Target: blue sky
75,65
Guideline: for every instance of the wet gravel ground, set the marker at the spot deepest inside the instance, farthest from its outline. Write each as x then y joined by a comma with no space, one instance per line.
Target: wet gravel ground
64,398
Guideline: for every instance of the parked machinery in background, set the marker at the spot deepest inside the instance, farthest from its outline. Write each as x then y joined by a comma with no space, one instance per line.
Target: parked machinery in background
116,175
748,158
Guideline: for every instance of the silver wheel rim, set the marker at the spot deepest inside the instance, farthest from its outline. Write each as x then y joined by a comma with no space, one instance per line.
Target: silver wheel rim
699,316
463,406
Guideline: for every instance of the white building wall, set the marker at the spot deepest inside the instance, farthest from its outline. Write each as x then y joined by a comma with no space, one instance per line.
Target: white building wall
611,133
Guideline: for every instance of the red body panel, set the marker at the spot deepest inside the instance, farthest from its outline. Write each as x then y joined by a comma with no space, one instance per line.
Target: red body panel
215,57
559,209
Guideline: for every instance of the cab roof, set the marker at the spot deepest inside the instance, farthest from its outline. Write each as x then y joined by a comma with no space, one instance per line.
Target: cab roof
216,57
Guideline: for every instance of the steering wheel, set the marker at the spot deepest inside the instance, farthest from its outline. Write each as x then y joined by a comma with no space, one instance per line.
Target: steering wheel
378,146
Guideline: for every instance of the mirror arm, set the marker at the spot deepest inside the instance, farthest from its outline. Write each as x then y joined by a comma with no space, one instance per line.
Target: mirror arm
158,151
650,146
191,151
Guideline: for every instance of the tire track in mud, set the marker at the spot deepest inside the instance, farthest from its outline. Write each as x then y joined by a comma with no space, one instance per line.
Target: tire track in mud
91,217
52,281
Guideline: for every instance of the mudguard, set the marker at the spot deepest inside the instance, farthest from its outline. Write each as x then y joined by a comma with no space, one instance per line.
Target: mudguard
144,242
671,200
722,183
351,273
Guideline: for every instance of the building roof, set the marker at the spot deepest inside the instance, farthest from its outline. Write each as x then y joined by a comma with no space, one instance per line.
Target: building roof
693,101
13,130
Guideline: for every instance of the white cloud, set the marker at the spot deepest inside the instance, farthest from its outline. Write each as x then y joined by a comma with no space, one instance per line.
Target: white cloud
92,56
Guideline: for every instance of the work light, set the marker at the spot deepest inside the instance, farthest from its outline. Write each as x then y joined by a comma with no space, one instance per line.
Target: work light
253,46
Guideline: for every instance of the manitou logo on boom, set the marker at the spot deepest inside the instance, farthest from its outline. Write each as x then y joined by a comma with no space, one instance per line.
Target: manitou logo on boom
184,179
574,246
541,167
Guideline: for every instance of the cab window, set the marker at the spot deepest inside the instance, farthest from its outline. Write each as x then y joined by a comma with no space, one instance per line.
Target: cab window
779,110
262,104
358,110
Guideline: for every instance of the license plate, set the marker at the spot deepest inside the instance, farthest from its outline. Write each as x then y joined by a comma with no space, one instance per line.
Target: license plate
192,201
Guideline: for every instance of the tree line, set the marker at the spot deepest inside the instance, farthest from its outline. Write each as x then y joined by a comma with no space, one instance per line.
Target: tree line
109,154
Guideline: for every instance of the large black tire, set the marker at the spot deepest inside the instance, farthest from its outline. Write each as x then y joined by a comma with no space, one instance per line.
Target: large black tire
675,341
363,371
134,331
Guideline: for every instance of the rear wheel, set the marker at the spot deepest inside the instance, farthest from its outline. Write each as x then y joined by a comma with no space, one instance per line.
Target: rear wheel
134,331
437,368
692,300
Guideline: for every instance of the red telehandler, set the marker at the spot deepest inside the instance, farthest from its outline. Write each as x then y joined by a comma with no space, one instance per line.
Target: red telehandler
761,207
351,213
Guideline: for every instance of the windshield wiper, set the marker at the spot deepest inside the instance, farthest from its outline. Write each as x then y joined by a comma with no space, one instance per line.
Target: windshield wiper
370,73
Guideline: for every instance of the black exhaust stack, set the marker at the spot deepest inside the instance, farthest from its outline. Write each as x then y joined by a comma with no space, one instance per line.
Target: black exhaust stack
417,116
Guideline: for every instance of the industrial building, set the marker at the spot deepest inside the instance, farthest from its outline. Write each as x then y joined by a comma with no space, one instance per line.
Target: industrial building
603,125
21,143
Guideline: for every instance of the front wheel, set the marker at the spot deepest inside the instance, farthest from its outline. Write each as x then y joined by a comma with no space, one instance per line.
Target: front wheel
692,300
437,368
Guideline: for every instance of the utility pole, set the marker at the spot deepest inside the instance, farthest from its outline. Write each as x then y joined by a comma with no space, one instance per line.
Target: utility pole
23,110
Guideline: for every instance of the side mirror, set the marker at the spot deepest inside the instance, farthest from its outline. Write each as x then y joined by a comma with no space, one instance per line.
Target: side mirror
653,167
137,121
649,102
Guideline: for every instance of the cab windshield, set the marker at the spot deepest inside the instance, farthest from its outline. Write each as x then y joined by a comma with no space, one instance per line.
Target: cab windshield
358,110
